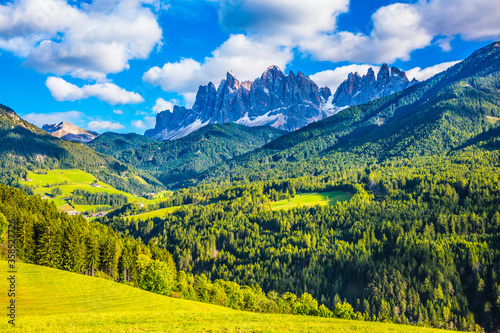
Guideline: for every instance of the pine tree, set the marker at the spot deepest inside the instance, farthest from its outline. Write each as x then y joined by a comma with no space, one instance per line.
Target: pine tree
92,253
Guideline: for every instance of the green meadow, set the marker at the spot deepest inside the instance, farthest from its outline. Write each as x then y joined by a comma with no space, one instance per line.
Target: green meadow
156,213
51,300
312,199
69,180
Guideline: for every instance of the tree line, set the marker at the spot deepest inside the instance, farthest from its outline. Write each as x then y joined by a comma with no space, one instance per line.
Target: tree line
82,197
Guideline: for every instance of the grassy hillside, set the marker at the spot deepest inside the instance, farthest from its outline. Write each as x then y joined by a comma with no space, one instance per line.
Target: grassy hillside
156,213
50,300
312,199
176,160
69,180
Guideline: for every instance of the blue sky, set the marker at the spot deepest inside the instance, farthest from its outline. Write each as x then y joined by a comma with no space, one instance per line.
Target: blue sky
114,64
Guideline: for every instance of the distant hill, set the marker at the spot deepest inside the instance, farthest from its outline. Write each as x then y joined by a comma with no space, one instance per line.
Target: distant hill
433,117
70,132
113,144
177,160
26,147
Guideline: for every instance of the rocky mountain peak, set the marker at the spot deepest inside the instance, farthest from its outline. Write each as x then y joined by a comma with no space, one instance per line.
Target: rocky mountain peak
275,99
488,50
231,81
384,74
271,74
370,74
287,102
205,99
7,112
358,90
397,72
70,132
272,69
325,93
246,85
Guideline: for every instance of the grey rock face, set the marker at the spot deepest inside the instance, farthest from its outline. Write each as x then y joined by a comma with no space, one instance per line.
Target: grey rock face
275,99
358,90
287,102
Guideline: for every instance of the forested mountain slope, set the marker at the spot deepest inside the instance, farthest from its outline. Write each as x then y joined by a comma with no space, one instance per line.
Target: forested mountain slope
176,160
23,146
430,118
417,243
111,143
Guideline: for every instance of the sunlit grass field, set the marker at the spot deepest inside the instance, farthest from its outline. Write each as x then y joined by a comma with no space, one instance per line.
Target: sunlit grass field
312,199
74,179
84,208
50,300
156,213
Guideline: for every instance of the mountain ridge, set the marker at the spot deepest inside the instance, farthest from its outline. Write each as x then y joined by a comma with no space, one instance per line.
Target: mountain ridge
358,89
428,118
287,102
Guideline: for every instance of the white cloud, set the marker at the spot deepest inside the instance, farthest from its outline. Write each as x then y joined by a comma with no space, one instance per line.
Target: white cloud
286,20
445,43
146,122
40,119
162,105
99,125
423,74
150,121
311,27
108,92
88,41
112,94
176,76
472,20
398,29
64,91
333,78
138,124
120,112
245,56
